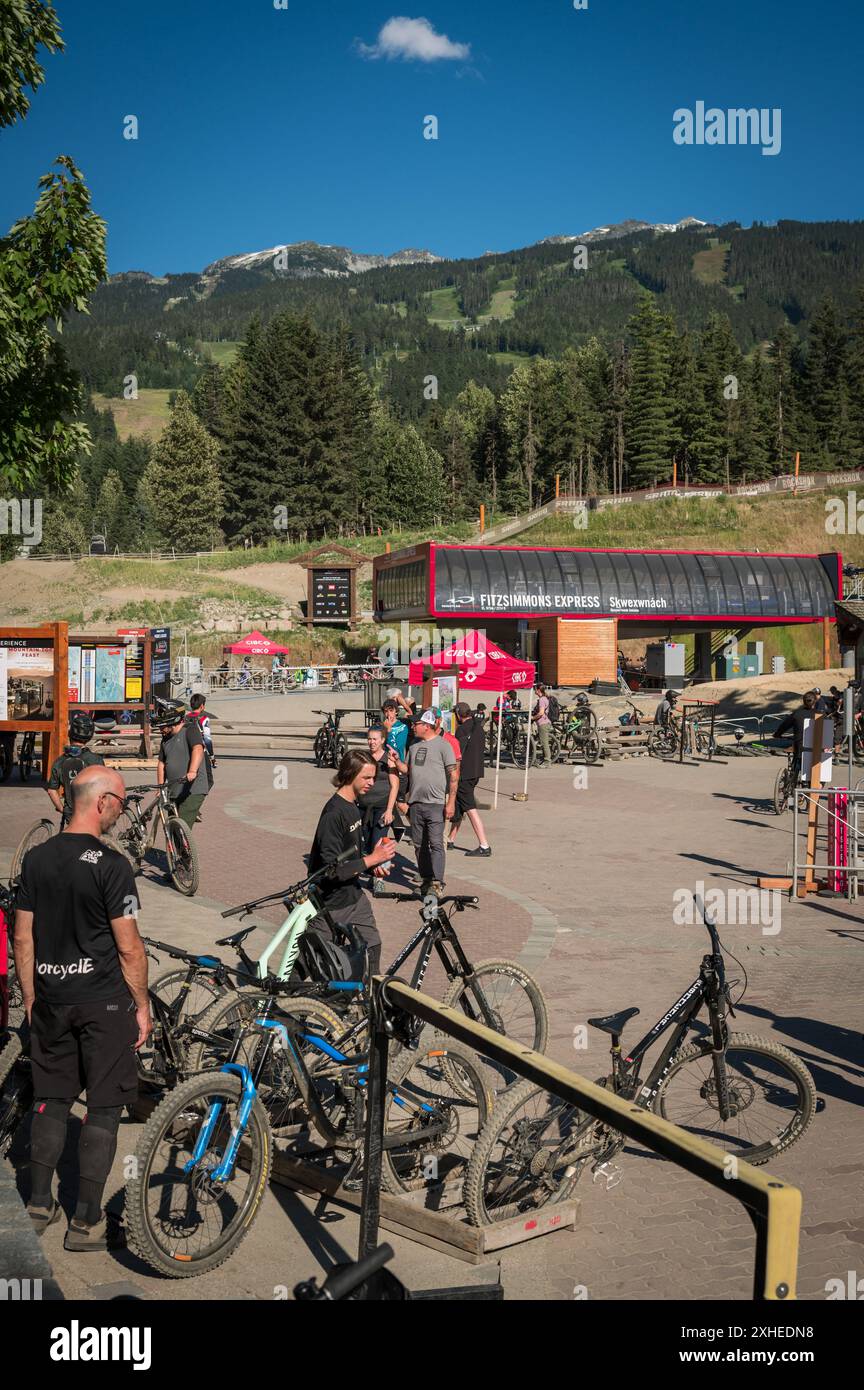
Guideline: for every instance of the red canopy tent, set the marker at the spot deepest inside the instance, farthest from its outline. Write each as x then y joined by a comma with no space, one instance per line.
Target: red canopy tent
255,644
482,665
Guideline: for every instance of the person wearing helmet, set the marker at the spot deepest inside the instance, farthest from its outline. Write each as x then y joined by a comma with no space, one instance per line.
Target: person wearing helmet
181,763
74,758
666,712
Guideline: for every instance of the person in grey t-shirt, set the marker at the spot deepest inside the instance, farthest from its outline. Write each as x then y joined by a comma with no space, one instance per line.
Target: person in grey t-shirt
182,764
433,775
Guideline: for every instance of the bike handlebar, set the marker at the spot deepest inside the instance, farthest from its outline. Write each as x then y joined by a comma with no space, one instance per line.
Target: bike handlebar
293,890
461,899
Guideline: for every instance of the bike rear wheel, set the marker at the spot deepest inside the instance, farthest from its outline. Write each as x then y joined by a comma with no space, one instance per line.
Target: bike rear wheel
772,1093
531,1153
36,835
319,748
182,857
182,1223
203,990
423,1098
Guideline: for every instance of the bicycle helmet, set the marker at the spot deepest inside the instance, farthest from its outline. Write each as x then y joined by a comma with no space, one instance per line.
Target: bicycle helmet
168,713
81,727
582,698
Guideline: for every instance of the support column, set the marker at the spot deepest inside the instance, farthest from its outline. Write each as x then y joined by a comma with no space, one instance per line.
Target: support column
702,663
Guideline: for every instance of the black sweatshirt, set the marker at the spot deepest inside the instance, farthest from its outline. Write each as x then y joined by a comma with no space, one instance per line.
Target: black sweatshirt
339,829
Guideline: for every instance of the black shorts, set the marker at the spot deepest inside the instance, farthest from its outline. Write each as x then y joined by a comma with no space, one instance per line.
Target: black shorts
85,1047
465,795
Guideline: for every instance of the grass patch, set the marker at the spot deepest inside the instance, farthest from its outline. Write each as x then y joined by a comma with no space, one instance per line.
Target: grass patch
502,306
146,415
444,307
223,353
709,267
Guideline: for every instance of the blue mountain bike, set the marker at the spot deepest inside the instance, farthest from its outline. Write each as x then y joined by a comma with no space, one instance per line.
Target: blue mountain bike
203,1159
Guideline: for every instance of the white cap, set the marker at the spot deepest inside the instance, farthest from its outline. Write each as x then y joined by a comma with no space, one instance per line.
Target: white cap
427,717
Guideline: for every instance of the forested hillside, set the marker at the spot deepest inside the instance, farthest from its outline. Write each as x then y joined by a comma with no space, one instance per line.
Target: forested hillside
340,403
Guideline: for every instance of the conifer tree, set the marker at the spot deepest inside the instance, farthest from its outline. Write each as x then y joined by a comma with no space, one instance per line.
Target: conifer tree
182,483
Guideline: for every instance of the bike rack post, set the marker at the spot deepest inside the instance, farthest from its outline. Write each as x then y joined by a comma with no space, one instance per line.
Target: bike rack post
373,1139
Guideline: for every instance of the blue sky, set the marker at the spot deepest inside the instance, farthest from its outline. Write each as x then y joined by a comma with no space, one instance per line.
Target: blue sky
259,125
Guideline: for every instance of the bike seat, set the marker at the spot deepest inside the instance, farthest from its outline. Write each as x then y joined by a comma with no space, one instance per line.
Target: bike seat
235,939
135,796
613,1023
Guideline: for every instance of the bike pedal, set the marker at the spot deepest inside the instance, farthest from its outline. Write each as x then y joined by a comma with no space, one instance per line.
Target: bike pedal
611,1174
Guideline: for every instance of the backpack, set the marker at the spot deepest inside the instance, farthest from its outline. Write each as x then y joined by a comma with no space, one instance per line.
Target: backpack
554,710
330,953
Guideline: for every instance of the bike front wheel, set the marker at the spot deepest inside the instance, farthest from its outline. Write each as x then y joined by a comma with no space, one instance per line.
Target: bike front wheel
182,857
504,997
36,835
782,786
530,1154
772,1096
16,1090
180,1220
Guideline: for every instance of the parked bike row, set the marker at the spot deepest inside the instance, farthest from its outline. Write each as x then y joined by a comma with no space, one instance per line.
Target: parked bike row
246,1055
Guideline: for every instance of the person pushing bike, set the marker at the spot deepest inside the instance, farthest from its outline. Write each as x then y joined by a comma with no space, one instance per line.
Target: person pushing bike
83,973
181,760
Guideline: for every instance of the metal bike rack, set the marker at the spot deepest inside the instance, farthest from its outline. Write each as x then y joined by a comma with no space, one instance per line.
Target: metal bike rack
774,1207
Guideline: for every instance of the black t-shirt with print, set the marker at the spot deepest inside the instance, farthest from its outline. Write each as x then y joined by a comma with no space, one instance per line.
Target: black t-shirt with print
472,741
74,885
340,828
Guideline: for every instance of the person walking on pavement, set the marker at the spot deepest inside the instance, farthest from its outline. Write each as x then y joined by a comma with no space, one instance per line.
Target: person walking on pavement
433,773
83,973
340,829
794,724
469,732
540,715
181,761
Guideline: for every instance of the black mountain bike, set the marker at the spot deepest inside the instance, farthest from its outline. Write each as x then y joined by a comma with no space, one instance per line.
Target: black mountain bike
134,834
746,1093
330,744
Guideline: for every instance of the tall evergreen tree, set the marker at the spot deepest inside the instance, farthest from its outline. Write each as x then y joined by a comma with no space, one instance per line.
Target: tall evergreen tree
181,483
648,433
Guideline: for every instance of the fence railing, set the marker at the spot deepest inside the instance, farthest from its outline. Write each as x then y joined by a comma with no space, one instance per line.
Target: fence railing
774,1207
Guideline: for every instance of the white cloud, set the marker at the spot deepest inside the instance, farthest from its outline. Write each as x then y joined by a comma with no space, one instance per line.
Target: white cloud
413,38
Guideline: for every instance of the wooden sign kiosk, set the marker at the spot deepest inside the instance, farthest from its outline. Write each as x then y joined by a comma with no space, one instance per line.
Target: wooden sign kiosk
331,591
136,681
33,688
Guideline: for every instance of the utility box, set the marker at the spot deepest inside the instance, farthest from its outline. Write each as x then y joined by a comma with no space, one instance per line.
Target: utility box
757,649
778,665
665,661
728,667
750,664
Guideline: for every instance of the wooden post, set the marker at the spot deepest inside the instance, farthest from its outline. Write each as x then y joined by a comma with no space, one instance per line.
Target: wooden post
797,466
826,645
674,472
387,548
557,485
482,518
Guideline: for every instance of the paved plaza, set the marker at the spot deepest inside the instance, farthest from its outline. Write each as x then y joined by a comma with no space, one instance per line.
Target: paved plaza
580,889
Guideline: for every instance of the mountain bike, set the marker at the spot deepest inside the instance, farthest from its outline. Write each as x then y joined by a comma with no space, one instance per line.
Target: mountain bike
579,736
134,834
785,782
26,756
497,993
203,1159
12,1002
330,745
40,831
663,740
746,1093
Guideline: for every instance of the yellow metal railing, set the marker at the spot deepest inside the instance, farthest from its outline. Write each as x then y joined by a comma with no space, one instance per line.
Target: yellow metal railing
773,1206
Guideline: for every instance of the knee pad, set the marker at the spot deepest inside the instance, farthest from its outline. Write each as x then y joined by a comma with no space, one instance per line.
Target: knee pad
48,1131
106,1117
